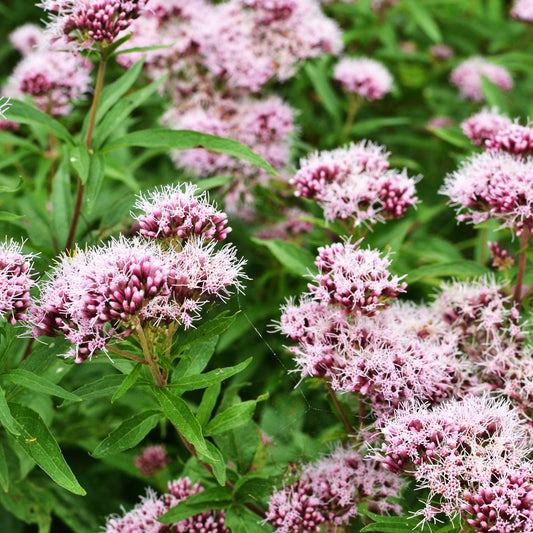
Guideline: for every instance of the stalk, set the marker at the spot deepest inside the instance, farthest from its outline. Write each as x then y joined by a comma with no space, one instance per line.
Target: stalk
340,410
92,118
127,355
354,103
524,239
160,379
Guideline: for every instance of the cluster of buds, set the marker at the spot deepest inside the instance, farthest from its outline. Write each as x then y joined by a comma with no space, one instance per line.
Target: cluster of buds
480,127
15,282
143,517
327,492
355,182
152,459
500,258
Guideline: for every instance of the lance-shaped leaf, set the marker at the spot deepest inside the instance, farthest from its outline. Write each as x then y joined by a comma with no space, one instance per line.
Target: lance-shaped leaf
40,445
296,260
185,140
128,434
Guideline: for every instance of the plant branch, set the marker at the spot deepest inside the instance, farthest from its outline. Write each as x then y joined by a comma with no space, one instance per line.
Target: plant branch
339,408
128,355
524,239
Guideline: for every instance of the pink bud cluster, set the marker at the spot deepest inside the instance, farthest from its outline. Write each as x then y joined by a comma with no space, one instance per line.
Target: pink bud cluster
328,491
471,455
467,77
355,182
88,23
15,282
523,10
513,139
500,257
495,185
53,78
363,76
481,126
289,228
152,459
357,280
143,517
180,213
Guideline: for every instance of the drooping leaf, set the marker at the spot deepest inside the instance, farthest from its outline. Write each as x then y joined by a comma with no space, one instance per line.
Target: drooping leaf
452,268
294,259
128,382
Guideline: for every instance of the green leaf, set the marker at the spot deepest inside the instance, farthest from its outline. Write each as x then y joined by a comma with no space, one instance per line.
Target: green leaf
453,136
62,205
217,462
202,381
364,127
212,183
33,382
195,357
452,268
40,445
26,114
6,419
128,382
241,520
130,432
122,110
212,498
94,180
493,94
424,19
80,160
105,386
323,89
4,471
209,399
252,487
295,259
232,417
185,140
208,330
15,140
181,416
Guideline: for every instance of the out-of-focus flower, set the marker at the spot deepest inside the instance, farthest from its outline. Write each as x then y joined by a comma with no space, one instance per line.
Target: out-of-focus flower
91,23
467,76
514,139
493,185
439,122
289,228
500,258
363,76
523,10
441,51
355,182
143,517
151,459
28,38
15,281
483,125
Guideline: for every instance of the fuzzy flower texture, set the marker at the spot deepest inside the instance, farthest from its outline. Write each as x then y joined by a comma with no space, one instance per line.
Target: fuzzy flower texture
327,492
363,76
143,517
355,182
112,291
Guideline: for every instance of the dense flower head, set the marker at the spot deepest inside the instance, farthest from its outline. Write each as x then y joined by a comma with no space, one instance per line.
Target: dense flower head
363,76
493,185
91,22
152,459
15,281
143,517
441,51
471,454
355,182
514,139
52,78
467,76
27,38
483,125
179,212
106,292
523,10
357,280
328,491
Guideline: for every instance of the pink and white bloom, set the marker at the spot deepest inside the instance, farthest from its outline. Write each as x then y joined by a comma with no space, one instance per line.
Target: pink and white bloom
15,281
514,139
467,76
483,125
363,76
493,185
523,10
28,38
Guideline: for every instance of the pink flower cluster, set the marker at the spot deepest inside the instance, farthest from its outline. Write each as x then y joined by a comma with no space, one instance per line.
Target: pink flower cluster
495,185
467,76
523,10
152,459
143,517
111,291
357,280
53,78
471,454
481,126
289,228
355,182
328,491
15,282
88,23
500,257
363,76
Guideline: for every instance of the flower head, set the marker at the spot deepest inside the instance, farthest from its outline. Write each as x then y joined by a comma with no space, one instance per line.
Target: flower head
151,459
27,38
493,185
15,281
514,139
483,125
467,76
523,10
363,76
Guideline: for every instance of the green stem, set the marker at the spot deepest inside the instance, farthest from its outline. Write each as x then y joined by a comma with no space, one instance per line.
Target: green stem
340,410
160,379
483,246
88,138
524,239
354,103
128,355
